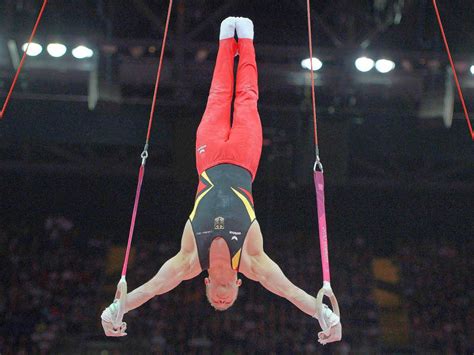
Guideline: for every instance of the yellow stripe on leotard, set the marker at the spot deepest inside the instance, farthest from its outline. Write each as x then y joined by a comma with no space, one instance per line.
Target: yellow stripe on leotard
236,259
247,204
204,175
200,197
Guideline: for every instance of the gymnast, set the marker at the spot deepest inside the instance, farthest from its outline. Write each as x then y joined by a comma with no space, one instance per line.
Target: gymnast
222,234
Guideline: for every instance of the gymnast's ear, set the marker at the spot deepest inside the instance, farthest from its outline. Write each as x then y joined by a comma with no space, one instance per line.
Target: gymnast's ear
238,282
207,281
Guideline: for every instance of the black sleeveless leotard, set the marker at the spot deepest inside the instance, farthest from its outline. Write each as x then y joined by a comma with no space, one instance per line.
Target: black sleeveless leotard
223,208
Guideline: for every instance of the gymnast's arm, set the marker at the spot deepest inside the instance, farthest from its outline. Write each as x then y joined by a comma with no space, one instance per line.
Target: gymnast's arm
183,266
258,266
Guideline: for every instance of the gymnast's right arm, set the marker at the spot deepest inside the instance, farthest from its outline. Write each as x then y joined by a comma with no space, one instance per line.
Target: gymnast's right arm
170,275
183,266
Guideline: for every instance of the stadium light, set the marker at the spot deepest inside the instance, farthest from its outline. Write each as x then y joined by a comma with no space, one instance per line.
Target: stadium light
33,50
82,52
306,64
56,50
364,64
472,69
384,65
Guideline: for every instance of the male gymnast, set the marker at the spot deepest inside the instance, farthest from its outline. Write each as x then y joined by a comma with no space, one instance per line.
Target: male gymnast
222,234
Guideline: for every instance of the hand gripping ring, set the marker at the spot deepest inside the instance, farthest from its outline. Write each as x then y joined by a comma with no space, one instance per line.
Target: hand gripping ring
326,290
121,295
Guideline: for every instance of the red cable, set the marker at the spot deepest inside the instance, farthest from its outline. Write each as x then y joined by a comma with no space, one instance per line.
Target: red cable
22,60
152,112
145,152
313,94
466,114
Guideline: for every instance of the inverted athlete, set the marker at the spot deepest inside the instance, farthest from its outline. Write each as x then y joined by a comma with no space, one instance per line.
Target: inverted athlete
222,234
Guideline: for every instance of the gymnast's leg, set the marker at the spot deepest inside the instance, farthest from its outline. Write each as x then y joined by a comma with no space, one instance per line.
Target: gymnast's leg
214,128
246,132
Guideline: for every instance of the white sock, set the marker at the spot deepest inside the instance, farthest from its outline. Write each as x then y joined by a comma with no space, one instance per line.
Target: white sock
244,27
227,28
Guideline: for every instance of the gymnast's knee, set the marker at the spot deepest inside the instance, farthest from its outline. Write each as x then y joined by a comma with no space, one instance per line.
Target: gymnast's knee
221,95
247,95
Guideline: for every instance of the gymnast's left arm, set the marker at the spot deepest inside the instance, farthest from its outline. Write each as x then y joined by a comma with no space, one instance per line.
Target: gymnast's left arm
268,273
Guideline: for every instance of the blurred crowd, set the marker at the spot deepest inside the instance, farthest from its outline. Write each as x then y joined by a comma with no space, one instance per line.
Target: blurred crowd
50,276
54,285
438,287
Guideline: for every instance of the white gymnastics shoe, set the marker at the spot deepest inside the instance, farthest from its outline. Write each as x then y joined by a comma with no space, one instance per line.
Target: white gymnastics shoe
227,28
244,27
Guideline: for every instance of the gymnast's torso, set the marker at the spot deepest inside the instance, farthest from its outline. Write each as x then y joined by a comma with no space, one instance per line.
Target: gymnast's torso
223,208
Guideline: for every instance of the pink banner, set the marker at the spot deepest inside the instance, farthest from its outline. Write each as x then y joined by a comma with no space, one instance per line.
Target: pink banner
323,237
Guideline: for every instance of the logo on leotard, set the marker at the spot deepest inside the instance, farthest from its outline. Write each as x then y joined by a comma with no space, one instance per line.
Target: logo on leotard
234,234
219,223
202,149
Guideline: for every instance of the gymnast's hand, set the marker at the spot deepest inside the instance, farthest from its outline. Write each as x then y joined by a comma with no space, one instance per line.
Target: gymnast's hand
331,327
107,317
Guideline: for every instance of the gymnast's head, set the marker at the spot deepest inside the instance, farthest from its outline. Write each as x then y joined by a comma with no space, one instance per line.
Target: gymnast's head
221,291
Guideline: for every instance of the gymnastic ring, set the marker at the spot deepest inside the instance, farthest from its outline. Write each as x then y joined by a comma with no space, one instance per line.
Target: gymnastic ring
326,290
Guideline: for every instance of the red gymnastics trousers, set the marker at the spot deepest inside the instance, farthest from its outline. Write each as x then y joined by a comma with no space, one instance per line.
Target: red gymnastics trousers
217,142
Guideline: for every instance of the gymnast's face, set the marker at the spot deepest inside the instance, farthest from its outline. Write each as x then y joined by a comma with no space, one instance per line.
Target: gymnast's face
222,295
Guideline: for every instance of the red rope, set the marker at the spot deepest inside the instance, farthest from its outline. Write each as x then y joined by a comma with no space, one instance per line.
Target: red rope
152,112
5,104
145,151
448,51
313,94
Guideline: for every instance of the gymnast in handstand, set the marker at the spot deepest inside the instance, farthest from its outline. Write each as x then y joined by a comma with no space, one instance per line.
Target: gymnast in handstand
222,234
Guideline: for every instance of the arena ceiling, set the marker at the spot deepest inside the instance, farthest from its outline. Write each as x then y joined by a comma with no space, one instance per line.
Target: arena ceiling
126,36
130,32
394,24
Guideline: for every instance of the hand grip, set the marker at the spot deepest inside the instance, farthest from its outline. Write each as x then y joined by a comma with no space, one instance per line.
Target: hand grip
326,290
